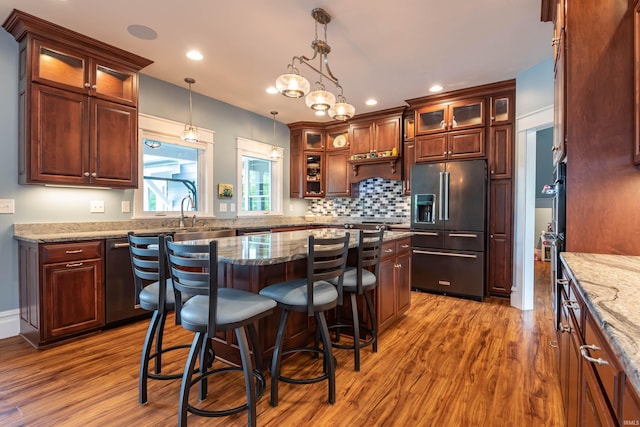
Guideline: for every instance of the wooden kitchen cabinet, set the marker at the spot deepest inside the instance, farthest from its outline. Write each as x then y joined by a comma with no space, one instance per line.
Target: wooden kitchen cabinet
314,177
500,251
307,160
450,116
337,175
559,83
393,294
408,160
379,132
61,290
466,144
502,109
78,102
630,405
636,81
501,152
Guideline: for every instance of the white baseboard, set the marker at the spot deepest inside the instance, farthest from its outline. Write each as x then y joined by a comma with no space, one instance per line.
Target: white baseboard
9,323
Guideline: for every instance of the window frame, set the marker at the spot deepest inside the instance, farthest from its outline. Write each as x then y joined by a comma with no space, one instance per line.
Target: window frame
262,150
164,130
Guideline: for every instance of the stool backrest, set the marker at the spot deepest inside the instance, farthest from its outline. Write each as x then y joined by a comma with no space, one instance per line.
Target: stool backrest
369,253
148,262
194,271
327,259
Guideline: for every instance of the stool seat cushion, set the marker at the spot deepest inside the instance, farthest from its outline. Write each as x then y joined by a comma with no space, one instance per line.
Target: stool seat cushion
234,307
350,279
294,292
149,296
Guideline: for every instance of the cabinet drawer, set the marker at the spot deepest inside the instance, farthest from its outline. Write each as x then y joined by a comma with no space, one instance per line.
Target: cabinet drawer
403,246
388,249
605,365
71,251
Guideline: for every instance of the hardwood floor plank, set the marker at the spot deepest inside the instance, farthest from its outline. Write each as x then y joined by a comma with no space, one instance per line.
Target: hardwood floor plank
447,362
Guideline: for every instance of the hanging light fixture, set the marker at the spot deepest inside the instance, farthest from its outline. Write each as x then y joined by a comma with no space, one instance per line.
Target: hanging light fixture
190,132
275,153
293,85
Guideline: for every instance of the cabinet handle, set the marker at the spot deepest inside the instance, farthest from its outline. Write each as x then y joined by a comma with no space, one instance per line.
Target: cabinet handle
404,246
120,245
562,281
388,251
565,328
471,236
77,264
75,251
585,354
573,305
86,174
553,344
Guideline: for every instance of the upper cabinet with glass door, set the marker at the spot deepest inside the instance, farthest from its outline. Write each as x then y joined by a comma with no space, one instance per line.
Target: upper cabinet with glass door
501,109
62,66
451,116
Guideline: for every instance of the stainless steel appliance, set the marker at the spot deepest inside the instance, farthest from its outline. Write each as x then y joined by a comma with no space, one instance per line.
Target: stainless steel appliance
557,233
448,220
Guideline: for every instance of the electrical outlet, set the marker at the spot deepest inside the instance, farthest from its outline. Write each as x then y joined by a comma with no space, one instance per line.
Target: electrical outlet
223,207
96,206
232,206
7,206
125,206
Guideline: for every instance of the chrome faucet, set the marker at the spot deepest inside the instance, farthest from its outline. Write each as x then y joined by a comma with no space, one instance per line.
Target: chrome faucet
189,201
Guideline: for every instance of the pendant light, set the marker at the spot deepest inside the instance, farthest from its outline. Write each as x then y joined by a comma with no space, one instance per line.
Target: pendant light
293,85
275,153
190,132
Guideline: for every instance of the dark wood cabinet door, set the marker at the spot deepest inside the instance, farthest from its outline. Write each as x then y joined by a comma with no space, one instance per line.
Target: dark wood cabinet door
502,109
61,66
386,304
403,276
337,176
387,134
500,152
630,405
296,172
500,250
361,137
431,148
114,145
467,144
594,409
114,82
73,297
408,160
58,151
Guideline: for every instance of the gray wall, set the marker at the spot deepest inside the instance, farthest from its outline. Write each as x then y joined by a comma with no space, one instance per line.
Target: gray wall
544,165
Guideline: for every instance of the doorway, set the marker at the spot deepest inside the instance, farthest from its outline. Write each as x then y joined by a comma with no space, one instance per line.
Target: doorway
525,199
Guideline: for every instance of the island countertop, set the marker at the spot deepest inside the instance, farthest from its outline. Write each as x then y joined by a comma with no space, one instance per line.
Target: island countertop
275,248
610,287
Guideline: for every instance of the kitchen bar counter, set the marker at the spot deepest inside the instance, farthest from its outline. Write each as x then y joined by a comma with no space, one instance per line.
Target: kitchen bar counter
610,286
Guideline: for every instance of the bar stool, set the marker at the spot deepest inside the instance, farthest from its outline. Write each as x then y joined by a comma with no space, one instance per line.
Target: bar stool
361,279
194,270
154,292
314,295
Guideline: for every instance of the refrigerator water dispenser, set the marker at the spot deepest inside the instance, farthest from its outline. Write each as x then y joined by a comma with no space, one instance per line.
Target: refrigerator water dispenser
424,208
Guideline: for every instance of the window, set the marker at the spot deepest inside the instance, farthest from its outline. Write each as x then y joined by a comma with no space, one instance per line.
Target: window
172,169
259,179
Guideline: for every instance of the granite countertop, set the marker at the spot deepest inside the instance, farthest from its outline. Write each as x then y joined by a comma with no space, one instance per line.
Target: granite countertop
76,231
609,285
275,248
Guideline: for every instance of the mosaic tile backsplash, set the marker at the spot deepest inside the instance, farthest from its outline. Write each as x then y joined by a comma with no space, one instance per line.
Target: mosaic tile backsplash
379,198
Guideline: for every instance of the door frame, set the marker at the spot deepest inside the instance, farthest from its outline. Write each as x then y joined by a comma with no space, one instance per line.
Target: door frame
527,126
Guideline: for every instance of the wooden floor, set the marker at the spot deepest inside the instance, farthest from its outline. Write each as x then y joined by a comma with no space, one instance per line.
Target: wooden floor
448,362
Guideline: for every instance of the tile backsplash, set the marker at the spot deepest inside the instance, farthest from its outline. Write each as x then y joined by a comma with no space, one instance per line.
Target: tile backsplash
379,198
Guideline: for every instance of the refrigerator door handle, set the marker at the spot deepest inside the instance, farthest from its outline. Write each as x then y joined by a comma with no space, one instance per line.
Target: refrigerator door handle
470,236
440,205
446,196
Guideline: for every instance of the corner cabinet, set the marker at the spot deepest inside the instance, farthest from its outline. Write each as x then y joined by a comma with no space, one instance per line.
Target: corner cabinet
61,290
78,101
307,167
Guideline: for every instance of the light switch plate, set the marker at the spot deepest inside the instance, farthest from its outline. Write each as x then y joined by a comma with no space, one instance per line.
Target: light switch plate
232,206
7,206
223,207
125,206
96,206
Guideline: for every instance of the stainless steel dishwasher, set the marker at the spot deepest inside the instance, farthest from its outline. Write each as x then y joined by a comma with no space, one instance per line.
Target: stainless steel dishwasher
120,298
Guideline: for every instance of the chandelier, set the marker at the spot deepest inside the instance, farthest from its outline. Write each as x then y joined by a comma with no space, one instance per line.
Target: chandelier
293,85
190,132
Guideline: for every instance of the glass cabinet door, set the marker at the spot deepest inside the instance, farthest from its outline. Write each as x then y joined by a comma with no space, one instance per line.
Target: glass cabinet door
431,119
313,175
465,114
57,66
501,110
313,140
115,83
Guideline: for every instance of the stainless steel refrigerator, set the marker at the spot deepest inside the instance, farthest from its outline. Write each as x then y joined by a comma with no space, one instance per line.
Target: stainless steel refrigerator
448,206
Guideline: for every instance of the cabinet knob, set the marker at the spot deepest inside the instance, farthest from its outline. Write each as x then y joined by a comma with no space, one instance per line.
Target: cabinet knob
86,174
87,85
94,87
94,174
491,236
492,172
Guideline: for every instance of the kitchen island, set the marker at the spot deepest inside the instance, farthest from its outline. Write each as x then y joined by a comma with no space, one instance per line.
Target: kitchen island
253,262
599,338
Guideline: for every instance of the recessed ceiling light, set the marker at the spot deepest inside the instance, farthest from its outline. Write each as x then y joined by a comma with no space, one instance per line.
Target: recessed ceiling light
195,55
371,102
272,90
435,88
142,32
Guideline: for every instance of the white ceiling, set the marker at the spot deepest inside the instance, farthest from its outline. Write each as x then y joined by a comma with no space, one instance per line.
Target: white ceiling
389,50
